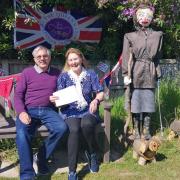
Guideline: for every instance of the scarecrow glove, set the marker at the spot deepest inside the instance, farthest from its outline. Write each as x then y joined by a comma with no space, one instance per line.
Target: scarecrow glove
127,80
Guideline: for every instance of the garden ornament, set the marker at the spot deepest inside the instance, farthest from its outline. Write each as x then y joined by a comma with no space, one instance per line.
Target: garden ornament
145,150
174,127
140,69
144,16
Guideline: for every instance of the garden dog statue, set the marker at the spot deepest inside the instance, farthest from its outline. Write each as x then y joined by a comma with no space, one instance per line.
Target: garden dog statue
145,150
175,129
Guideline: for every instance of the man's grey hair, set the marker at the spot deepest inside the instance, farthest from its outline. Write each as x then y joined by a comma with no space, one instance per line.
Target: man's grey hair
40,48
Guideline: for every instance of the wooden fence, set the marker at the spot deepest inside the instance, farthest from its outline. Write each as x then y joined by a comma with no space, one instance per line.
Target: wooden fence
169,67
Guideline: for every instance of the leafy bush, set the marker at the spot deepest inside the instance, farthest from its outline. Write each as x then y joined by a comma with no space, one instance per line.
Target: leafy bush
118,115
117,20
169,100
8,149
7,144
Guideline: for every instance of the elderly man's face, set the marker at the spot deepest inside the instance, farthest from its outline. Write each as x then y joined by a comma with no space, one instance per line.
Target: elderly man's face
144,16
42,59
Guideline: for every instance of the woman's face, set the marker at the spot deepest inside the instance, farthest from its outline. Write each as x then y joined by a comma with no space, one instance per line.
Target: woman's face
144,16
75,63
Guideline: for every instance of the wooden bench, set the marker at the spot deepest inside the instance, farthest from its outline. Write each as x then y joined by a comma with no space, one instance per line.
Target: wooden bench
8,129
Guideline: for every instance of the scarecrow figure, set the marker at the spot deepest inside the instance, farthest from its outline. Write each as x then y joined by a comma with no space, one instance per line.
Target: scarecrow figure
140,68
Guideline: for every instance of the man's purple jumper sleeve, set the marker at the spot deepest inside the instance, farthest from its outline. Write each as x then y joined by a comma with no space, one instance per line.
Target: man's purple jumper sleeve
19,96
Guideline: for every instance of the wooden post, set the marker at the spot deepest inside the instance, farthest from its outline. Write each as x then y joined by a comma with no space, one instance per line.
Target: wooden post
107,122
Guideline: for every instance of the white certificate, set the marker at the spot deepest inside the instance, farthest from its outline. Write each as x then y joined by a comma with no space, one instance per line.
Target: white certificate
66,96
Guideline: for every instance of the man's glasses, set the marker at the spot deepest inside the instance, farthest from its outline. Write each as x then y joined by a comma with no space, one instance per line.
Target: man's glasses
43,56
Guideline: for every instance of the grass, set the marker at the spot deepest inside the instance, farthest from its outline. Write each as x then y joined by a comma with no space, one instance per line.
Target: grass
166,167
168,156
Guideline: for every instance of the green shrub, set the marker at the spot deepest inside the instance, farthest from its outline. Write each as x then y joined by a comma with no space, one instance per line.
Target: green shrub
7,144
8,149
169,100
118,115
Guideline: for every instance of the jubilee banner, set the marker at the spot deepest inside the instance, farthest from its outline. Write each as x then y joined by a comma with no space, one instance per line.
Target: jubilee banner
107,78
53,27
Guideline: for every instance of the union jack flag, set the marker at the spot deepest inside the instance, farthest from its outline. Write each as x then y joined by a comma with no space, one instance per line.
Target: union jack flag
107,77
53,27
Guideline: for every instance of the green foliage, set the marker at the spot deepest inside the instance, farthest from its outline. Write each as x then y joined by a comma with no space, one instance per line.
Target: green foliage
169,99
7,144
118,110
4,41
24,55
118,115
110,46
166,19
115,24
8,149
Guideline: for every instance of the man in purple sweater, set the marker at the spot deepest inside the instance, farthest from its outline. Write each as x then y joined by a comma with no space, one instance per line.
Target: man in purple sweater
34,106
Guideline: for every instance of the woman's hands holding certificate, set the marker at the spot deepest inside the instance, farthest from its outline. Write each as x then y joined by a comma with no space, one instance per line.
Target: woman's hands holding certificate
53,98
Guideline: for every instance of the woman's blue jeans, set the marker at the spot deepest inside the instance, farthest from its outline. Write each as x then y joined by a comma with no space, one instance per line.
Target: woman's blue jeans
56,127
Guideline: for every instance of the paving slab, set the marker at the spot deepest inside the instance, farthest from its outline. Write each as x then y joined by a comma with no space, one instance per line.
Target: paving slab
57,164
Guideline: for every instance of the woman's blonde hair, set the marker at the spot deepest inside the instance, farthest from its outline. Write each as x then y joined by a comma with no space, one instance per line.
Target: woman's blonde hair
79,53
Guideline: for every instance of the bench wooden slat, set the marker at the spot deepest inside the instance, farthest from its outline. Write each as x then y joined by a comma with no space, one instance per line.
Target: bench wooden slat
8,133
8,129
